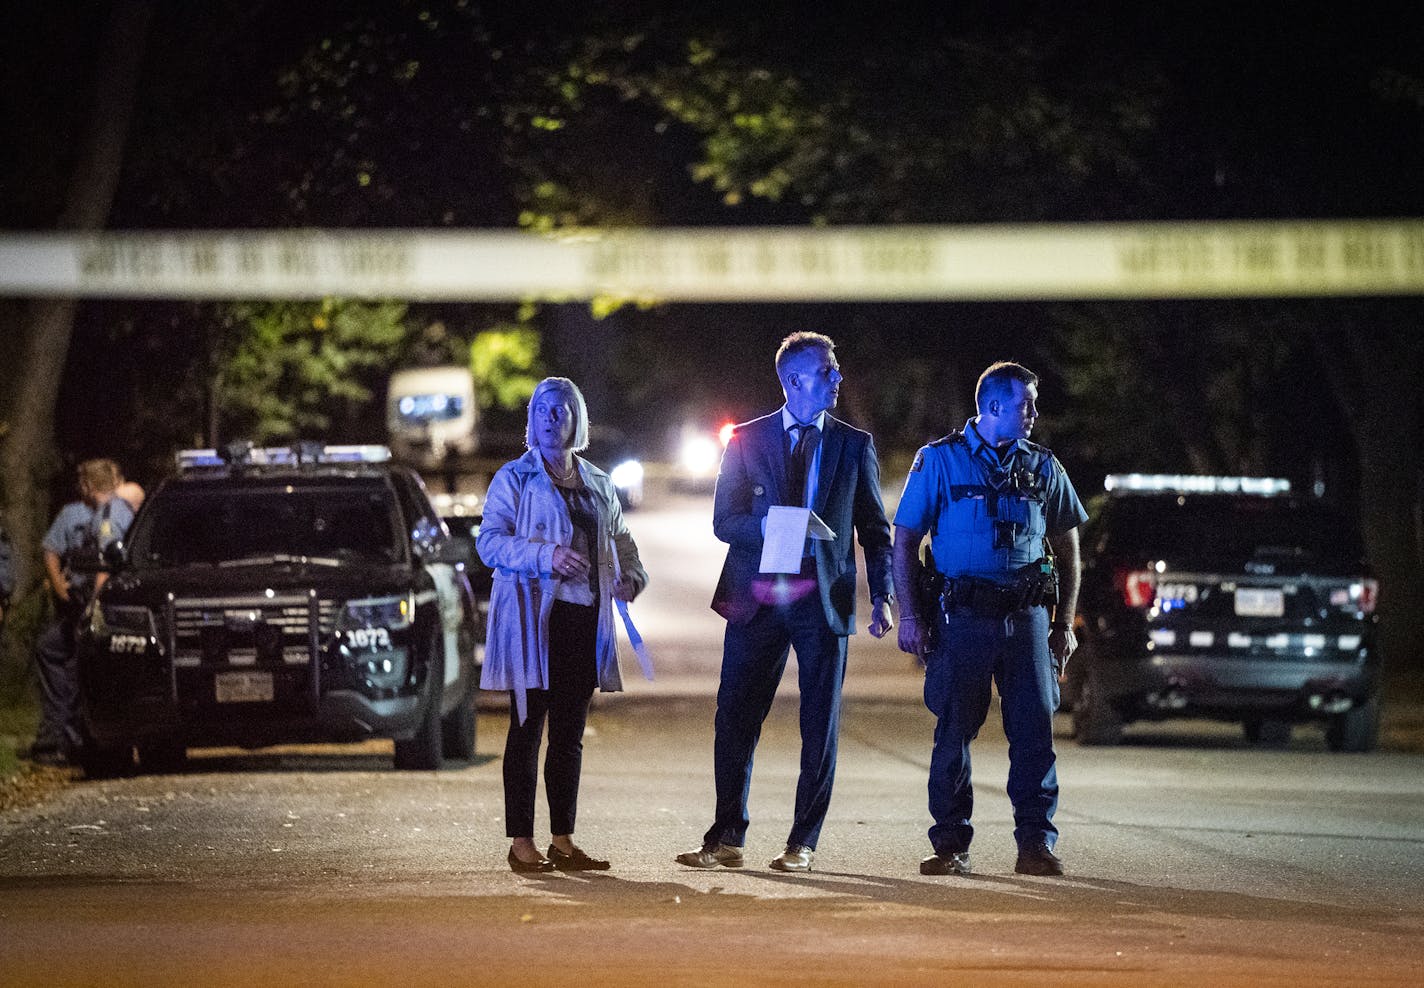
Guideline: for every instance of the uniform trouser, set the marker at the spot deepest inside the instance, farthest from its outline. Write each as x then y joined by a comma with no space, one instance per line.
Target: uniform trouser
59,689
573,674
971,652
753,660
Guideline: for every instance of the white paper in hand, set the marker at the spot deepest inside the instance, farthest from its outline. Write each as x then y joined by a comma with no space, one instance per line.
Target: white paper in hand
786,532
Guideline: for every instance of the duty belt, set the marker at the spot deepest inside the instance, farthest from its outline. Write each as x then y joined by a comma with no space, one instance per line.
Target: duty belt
1035,585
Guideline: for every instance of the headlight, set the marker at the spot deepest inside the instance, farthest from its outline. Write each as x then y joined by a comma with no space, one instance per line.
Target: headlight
366,638
391,613
128,630
627,474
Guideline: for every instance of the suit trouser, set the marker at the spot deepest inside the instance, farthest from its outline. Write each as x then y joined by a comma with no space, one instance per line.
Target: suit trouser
573,674
753,660
58,668
970,653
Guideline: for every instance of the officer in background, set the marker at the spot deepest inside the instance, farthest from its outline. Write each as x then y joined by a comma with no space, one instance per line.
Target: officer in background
91,523
988,498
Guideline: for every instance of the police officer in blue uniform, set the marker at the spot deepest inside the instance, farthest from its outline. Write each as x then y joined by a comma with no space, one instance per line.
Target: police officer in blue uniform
91,523
990,501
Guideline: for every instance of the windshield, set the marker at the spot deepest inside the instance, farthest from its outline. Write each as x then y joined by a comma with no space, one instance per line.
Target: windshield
277,523
1206,529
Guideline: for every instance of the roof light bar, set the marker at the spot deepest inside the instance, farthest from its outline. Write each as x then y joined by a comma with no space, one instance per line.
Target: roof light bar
245,455
355,454
195,459
1195,484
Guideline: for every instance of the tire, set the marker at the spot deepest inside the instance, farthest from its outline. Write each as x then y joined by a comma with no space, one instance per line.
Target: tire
164,757
1096,721
425,752
1357,729
1267,732
106,761
458,729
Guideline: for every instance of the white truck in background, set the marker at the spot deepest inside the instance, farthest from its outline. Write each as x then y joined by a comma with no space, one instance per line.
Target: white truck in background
431,413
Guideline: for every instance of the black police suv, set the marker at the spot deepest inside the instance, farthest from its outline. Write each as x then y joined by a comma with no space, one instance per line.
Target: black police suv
1225,598
269,596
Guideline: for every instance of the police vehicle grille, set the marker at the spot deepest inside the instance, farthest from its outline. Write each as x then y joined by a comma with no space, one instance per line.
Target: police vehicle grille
239,631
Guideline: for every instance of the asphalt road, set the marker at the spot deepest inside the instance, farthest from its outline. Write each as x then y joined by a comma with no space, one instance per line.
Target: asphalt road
1193,858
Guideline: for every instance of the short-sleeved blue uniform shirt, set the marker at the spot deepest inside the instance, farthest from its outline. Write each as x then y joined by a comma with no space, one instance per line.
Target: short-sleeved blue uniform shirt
78,526
987,511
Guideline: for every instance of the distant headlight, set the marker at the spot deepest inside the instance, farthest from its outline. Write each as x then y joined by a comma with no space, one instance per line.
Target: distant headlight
700,455
627,474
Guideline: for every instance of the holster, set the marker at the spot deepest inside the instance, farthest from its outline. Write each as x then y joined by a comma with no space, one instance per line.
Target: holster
929,584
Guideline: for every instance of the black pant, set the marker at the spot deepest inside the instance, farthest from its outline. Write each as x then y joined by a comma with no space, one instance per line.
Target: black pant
58,666
573,675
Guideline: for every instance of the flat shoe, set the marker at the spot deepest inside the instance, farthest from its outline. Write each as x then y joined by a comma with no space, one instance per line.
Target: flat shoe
578,861
796,857
956,863
517,864
712,855
1038,859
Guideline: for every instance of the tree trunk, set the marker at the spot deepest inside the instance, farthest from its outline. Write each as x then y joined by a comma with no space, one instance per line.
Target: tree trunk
27,458
1373,368
1388,518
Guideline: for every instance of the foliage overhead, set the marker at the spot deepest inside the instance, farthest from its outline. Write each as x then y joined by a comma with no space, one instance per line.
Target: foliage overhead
891,126
505,363
292,365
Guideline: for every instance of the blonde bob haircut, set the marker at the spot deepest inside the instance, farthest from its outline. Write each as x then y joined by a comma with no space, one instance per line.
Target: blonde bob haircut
563,388
99,476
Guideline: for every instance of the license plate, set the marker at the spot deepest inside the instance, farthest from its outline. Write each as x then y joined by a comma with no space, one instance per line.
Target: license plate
1260,602
243,687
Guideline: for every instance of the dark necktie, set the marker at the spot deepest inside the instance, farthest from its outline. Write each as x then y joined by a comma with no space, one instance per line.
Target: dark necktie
802,450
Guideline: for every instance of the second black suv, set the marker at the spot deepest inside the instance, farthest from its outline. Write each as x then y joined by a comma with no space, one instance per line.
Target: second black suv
273,595
1227,598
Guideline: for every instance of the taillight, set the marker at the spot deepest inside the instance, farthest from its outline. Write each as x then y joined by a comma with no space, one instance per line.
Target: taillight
1138,587
1368,593
1356,598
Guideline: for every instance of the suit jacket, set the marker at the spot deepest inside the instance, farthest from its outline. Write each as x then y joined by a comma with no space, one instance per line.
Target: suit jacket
753,477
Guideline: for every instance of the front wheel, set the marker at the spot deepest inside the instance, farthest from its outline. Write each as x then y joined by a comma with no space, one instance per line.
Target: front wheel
162,757
459,728
424,752
106,761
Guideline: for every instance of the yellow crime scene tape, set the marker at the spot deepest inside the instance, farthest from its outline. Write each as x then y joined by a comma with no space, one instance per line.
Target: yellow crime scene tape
902,263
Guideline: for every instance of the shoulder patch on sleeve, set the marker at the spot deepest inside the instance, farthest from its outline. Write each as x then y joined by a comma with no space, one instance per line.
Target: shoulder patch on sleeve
919,460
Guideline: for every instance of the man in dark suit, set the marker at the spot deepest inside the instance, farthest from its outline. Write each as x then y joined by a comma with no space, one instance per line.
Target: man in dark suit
802,457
